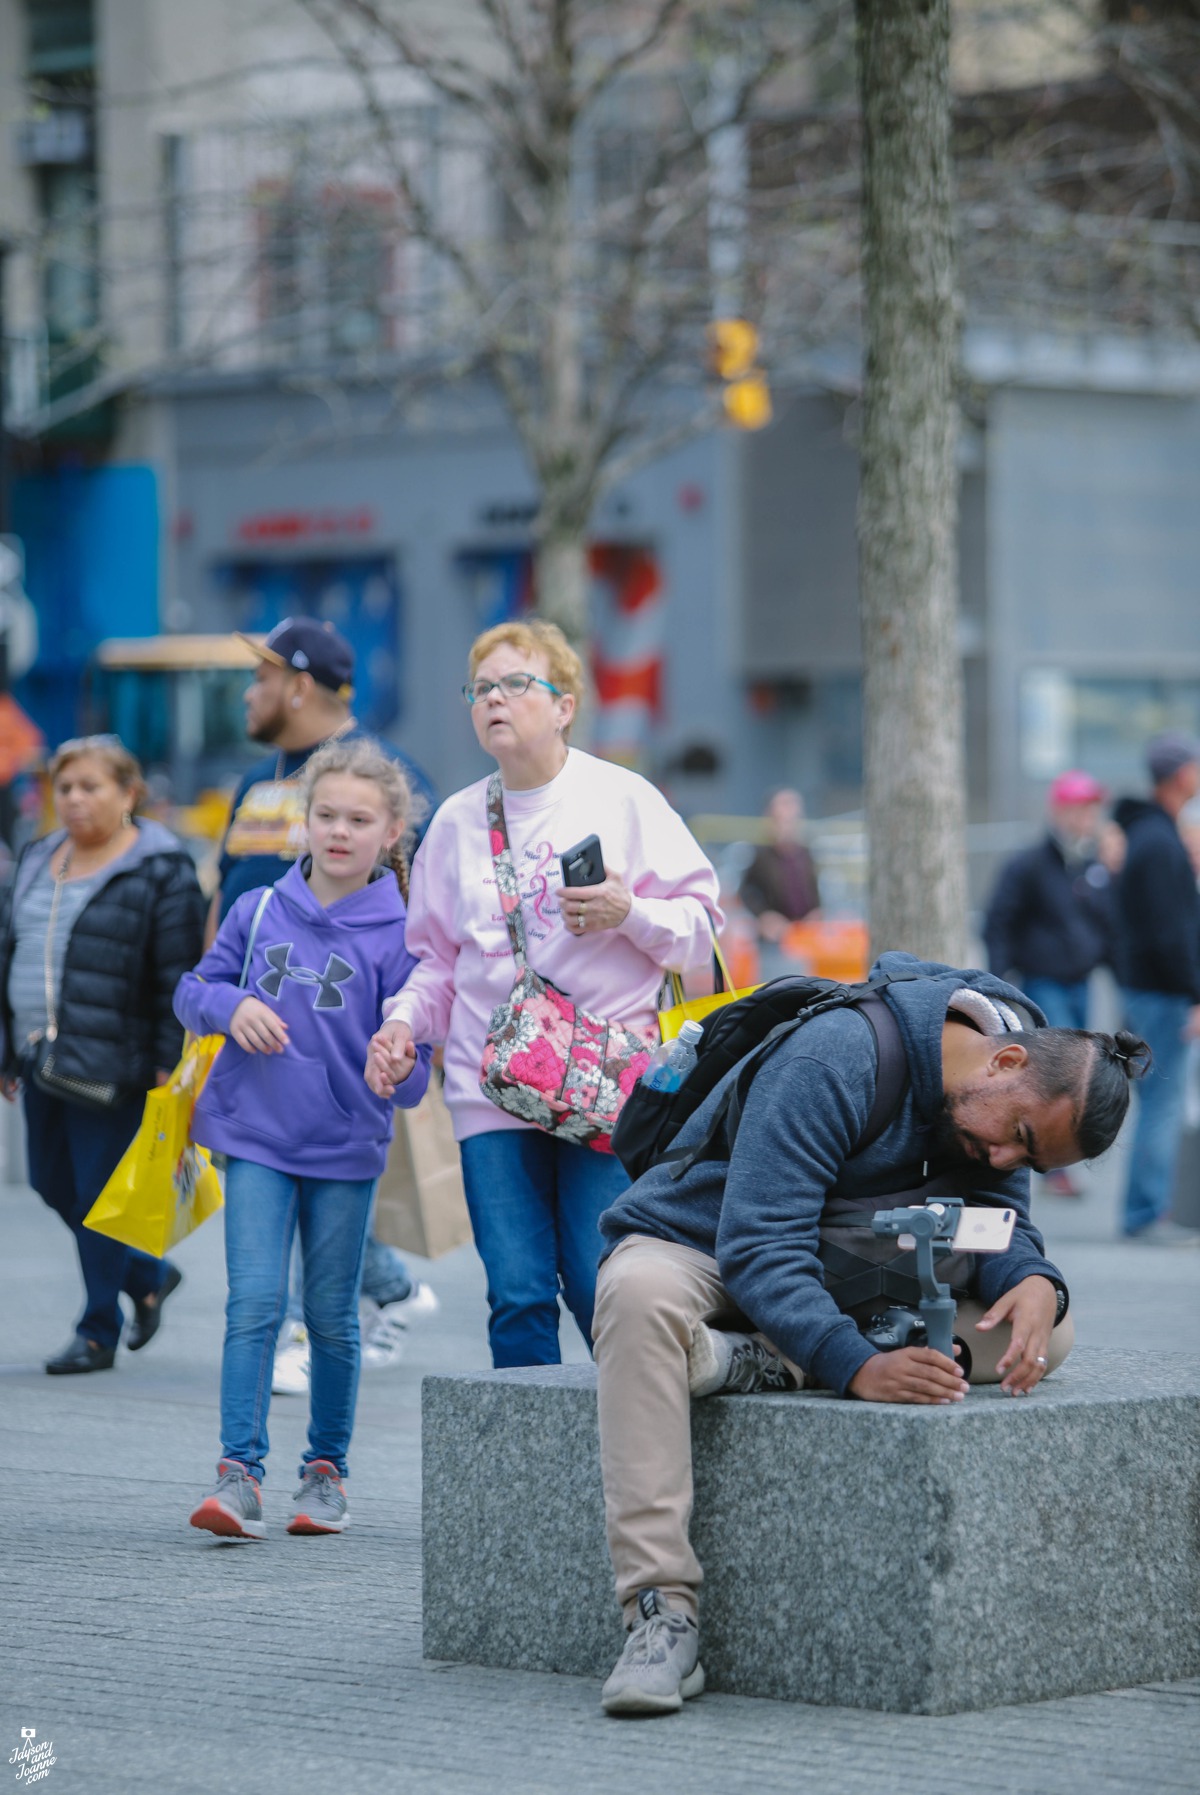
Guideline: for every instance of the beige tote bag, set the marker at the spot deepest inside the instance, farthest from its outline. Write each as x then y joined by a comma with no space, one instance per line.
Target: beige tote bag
419,1204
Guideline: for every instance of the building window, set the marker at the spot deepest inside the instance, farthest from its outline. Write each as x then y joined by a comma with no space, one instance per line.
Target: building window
327,274
1103,724
61,37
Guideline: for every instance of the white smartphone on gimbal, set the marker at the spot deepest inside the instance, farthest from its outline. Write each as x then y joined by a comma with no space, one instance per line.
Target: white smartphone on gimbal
984,1230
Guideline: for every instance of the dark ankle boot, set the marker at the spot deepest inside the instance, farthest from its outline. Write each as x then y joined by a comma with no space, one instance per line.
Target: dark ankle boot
147,1317
81,1355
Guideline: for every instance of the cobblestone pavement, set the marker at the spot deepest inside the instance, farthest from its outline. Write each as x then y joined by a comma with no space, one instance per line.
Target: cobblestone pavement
156,1659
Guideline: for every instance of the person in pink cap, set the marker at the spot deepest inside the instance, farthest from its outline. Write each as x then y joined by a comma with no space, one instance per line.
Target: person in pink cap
1050,921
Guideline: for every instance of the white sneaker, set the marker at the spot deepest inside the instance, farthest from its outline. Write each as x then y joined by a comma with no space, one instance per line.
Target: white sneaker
388,1329
290,1376
1165,1233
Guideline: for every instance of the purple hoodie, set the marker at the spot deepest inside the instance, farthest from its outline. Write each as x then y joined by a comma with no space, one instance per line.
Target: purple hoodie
306,1111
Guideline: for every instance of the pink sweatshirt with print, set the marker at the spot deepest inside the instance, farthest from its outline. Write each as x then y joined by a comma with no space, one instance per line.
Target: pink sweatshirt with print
456,928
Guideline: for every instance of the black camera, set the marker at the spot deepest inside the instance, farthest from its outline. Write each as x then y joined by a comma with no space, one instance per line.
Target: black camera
890,1329
893,1328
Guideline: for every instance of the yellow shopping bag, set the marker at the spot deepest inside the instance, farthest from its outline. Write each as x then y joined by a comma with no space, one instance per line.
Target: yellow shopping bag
695,1009
165,1186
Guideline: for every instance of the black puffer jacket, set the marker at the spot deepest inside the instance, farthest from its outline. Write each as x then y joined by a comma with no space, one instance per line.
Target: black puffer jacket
139,932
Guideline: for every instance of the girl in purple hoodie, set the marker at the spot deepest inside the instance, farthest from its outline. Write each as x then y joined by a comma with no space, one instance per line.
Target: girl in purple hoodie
296,980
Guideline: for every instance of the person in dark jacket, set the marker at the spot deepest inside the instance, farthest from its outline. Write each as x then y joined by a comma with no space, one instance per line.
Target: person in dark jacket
1050,922
779,887
102,920
1158,965
732,1243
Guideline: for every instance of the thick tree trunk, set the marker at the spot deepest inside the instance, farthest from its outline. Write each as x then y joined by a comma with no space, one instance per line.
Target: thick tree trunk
908,502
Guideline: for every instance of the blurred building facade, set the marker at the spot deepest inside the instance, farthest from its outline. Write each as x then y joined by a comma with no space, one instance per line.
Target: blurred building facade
205,250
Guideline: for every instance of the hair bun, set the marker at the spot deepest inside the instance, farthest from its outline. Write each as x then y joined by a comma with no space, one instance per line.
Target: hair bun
1131,1053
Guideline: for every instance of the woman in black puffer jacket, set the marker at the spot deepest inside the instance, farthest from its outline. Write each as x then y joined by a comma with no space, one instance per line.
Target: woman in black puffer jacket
102,920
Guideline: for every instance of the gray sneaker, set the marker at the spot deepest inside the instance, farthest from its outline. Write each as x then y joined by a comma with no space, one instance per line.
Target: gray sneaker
319,1505
720,1363
659,1669
233,1508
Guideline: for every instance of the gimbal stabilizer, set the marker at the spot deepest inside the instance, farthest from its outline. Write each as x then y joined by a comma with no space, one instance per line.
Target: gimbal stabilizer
931,1229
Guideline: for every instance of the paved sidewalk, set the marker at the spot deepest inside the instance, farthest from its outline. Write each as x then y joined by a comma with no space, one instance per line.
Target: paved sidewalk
156,1658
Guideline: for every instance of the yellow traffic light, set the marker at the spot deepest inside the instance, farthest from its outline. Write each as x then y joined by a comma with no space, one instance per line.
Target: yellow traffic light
733,345
748,402
733,351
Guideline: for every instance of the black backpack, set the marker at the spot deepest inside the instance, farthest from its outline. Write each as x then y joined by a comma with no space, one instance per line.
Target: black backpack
746,1031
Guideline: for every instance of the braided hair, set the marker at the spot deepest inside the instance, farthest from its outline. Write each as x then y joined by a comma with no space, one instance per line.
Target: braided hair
364,759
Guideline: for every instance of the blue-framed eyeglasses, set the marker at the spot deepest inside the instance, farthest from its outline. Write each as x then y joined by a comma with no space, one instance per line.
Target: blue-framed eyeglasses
513,685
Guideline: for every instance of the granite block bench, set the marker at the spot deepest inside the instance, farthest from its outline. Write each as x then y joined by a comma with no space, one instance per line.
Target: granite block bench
914,1560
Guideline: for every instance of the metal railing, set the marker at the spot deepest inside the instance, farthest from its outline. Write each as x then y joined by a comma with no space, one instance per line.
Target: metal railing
839,848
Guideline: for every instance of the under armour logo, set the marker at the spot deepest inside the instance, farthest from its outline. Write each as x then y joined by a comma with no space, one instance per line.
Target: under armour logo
336,972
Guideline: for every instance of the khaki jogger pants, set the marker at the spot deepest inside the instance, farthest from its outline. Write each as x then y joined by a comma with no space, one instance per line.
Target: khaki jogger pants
650,1296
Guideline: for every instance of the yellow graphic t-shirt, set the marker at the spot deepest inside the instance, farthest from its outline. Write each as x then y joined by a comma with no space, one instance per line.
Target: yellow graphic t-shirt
269,820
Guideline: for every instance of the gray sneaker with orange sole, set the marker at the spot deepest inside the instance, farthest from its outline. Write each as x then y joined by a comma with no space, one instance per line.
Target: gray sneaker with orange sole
233,1508
319,1505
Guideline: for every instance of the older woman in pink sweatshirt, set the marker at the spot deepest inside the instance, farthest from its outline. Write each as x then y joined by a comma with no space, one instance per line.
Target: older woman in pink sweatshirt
535,1198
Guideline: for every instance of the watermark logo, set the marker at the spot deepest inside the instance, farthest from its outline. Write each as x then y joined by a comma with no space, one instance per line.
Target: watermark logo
34,1758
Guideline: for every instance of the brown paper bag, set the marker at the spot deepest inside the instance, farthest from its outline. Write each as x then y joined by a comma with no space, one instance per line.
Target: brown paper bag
419,1204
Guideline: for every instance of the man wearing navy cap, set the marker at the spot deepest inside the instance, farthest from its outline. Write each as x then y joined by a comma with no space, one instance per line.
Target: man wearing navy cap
1158,963
298,700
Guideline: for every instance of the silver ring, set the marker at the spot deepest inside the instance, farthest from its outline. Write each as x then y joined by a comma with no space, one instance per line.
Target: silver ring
1041,1361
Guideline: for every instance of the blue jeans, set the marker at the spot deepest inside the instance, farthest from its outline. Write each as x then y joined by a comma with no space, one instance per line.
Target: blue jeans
73,1152
262,1209
535,1206
1159,1018
385,1277
1066,1006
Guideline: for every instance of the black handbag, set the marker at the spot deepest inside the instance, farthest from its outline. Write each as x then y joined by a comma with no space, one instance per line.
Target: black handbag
89,1093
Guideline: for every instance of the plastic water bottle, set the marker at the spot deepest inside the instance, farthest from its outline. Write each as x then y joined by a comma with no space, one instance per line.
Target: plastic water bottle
671,1063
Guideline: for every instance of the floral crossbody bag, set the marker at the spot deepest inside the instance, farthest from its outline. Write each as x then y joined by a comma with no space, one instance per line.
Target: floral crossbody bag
545,1059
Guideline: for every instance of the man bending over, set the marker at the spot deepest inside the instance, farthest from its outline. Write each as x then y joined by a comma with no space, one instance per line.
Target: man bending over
711,1281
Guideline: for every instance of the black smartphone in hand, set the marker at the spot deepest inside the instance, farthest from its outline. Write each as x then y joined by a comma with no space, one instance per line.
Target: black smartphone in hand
584,863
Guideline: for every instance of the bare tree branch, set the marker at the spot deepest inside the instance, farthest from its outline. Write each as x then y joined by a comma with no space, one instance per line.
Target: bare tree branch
654,444
460,82
635,53
427,228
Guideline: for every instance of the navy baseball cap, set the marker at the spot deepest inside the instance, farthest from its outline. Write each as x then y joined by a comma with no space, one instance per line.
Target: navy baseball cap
305,645
1173,749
